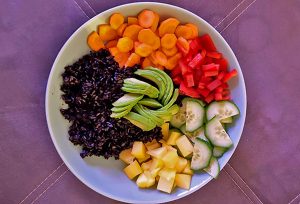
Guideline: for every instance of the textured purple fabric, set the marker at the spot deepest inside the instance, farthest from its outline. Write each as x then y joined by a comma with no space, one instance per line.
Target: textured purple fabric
264,35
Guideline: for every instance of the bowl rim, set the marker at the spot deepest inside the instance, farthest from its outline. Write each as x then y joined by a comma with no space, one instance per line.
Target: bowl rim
47,105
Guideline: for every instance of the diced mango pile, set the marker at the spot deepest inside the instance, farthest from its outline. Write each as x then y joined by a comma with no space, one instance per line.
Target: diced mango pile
144,39
165,162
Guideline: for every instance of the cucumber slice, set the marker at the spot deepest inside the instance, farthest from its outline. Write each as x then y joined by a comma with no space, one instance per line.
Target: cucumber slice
226,120
216,134
194,115
179,118
201,154
213,168
221,109
219,151
199,133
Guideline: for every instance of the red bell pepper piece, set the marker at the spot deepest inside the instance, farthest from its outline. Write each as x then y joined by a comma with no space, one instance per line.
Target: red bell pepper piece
215,55
225,85
218,96
204,92
197,75
229,75
226,98
207,43
223,64
219,89
209,98
221,75
184,67
195,45
214,84
189,57
196,60
189,80
176,71
226,92
211,73
177,80
203,53
188,91
210,67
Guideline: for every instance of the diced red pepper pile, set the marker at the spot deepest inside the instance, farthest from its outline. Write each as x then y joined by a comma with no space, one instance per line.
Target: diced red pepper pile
203,72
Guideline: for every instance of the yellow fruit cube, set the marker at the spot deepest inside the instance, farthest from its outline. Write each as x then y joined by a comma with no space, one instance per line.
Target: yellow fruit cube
165,185
181,164
152,145
167,173
173,137
187,169
170,148
126,156
185,146
183,181
138,150
141,160
162,142
170,159
156,166
146,165
133,169
145,180
158,153
165,130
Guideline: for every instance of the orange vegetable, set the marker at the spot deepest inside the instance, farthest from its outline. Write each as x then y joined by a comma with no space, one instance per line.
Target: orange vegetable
147,36
153,59
94,41
132,32
161,58
143,50
159,67
132,20
183,45
168,26
113,51
116,20
112,43
194,29
170,52
146,18
106,32
173,61
133,60
168,41
125,44
146,63
121,29
136,44
155,23
156,44
121,58
184,31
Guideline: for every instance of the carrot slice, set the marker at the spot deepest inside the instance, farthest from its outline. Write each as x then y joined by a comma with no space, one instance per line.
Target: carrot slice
173,61
161,58
125,44
168,41
136,44
155,23
146,63
132,20
170,52
159,67
106,32
156,44
121,29
168,26
143,50
132,32
121,58
147,36
94,41
153,59
183,45
146,18
132,60
113,51
184,31
116,20
112,43
194,29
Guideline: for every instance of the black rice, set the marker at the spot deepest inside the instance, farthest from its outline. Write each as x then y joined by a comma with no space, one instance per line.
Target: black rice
90,86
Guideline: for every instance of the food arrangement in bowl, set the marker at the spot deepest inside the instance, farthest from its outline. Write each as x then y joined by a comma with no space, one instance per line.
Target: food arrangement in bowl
153,93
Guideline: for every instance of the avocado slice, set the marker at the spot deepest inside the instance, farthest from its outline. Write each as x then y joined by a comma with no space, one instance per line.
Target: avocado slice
121,108
120,114
130,98
172,101
151,91
140,121
146,113
152,103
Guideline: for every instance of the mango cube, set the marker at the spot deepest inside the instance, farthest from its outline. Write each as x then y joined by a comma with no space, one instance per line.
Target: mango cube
187,169
165,185
138,150
165,130
167,173
158,153
152,145
181,164
133,169
145,180
173,137
141,160
185,146
146,165
156,166
126,156
183,181
170,159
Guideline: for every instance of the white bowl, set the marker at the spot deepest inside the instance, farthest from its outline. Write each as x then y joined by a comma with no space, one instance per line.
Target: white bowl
106,176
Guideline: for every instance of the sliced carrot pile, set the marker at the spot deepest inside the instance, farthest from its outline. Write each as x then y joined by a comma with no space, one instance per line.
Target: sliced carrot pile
144,40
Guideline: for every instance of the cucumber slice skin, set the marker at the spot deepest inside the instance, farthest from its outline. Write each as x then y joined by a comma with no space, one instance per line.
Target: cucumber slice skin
213,109
213,168
198,111
206,155
179,118
219,151
210,132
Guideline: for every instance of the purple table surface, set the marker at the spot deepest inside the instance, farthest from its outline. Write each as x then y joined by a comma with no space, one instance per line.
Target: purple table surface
264,35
